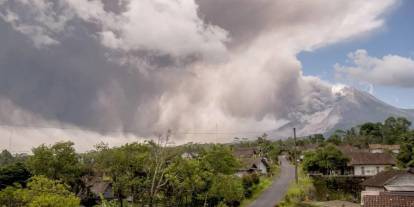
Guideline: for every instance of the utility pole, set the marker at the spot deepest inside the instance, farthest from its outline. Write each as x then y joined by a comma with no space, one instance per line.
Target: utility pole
295,156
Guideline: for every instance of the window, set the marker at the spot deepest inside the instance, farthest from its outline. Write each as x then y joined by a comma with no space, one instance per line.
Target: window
378,169
362,170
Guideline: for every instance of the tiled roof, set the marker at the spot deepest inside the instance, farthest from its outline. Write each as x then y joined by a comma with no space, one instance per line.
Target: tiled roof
388,200
248,152
382,178
366,158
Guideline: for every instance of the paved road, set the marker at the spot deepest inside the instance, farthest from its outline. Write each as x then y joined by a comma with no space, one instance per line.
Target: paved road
275,193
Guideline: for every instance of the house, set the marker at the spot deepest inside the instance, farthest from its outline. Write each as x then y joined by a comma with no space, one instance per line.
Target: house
246,152
381,148
94,187
253,165
368,164
189,155
389,188
251,160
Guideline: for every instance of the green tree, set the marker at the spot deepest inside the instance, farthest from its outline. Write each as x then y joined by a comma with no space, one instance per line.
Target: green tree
325,160
406,155
40,192
13,173
6,158
57,162
125,166
188,182
229,188
220,159
334,139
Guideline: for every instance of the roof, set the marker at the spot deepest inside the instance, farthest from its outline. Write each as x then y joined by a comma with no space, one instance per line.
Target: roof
382,178
366,158
247,163
388,200
346,149
245,152
384,146
100,187
96,184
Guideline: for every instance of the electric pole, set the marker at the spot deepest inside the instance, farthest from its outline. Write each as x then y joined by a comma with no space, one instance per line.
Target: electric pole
295,156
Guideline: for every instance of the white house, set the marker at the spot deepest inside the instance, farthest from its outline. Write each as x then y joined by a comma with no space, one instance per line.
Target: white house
392,184
369,164
381,148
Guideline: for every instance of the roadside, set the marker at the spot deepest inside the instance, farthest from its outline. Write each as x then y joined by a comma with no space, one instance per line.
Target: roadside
275,193
265,183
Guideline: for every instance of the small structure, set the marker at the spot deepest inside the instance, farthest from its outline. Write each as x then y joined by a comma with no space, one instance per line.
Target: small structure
94,187
251,160
253,165
368,164
381,148
246,152
189,155
389,188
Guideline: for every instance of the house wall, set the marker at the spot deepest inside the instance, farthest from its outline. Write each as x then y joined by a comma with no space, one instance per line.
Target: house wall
377,151
262,167
368,169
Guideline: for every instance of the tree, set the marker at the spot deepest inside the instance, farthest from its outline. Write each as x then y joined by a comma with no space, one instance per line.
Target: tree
229,188
395,128
334,139
188,182
57,162
126,166
40,192
220,159
406,155
12,174
325,160
6,158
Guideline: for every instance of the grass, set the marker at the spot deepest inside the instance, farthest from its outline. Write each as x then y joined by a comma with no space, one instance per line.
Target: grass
297,193
265,182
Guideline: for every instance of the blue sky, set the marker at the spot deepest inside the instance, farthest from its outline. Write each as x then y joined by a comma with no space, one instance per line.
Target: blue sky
396,37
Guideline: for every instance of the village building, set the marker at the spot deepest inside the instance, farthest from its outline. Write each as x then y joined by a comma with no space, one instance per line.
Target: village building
382,148
368,164
389,188
94,188
252,161
246,152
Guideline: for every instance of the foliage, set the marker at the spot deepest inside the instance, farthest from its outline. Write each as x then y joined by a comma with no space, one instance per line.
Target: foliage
13,173
229,188
220,159
6,158
40,192
298,192
56,162
406,155
324,160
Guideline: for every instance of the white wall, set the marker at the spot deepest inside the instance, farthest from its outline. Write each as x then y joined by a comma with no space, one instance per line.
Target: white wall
377,151
368,169
262,168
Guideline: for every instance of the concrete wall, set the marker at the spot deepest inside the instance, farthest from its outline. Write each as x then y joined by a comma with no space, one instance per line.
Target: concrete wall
368,169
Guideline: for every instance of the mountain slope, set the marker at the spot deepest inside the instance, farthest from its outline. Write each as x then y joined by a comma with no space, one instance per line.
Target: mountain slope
349,108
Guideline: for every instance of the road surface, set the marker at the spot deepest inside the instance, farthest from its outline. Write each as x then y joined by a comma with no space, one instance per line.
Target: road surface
275,193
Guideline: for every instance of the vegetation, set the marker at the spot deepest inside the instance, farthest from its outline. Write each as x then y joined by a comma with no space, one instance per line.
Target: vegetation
155,174
40,192
140,174
325,160
298,192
